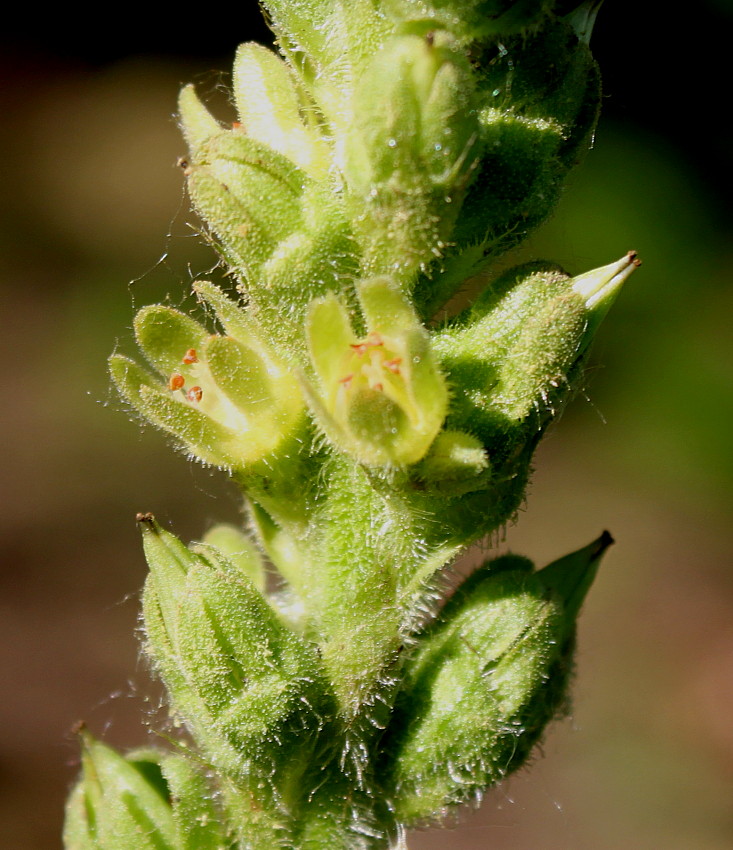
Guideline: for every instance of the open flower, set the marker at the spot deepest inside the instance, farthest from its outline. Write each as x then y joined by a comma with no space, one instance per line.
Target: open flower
380,396
224,397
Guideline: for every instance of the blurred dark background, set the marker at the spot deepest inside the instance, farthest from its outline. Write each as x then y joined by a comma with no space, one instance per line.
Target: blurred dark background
94,223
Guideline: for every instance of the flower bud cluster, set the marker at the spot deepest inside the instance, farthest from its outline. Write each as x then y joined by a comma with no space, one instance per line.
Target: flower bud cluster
389,151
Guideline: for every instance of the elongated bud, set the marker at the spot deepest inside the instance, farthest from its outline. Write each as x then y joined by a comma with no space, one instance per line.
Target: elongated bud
411,152
537,97
249,194
197,123
517,352
274,110
119,804
485,680
240,680
380,398
284,233
226,399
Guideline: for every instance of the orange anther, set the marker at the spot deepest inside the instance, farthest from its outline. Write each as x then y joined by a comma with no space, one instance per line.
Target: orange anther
194,394
347,380
393,365
190,356
176,382
374,340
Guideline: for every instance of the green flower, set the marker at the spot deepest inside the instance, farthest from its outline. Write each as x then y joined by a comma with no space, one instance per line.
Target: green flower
380,396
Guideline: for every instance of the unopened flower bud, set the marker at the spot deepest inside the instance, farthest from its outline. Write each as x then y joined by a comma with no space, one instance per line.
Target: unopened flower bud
537,97
516,354
249,194
273,109
246,686
485,679
335,39
411,152
283,232
145,800
380,397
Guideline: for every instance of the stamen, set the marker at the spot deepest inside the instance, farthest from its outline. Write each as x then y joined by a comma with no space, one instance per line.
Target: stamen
190,356
195,394
374,340
176,382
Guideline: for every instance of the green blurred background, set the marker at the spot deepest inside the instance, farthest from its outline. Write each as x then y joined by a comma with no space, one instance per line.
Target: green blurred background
94,224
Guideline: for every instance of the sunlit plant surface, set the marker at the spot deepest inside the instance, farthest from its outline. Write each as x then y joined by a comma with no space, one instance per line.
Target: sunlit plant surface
337,687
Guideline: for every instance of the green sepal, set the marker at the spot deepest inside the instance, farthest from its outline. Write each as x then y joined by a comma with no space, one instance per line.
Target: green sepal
233,317
197,123
118,804
165,336
195,431
570,578
485,679
130,379
275,111
199,434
